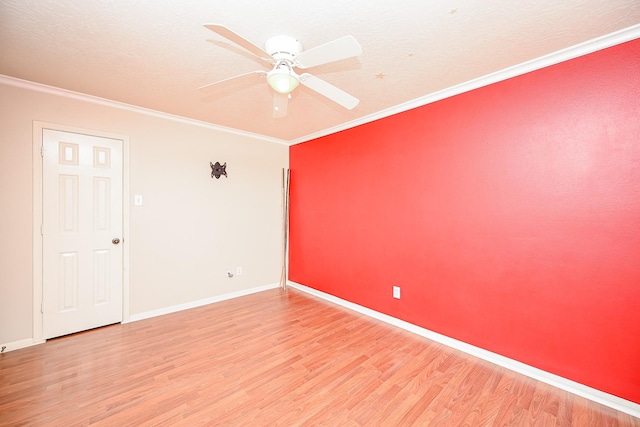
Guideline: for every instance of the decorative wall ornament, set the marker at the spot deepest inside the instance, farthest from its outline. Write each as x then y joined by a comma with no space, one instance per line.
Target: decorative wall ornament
218,169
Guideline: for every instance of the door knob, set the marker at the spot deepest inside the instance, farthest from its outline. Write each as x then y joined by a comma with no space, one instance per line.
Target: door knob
115,241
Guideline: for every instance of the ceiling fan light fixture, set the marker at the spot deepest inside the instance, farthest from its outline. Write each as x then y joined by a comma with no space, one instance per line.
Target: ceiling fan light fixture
286,53
282,80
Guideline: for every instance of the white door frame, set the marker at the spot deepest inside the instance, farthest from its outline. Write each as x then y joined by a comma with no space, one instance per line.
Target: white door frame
38,128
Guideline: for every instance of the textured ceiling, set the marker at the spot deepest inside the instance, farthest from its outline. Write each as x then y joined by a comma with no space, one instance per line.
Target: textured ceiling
156,53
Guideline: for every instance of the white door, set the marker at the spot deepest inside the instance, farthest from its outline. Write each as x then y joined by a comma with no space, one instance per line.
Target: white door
82,232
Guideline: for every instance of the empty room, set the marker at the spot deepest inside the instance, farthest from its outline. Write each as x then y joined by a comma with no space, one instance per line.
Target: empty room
404,213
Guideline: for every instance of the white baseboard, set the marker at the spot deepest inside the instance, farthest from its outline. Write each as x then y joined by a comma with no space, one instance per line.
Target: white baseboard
582,390
28,342
198,303
16,345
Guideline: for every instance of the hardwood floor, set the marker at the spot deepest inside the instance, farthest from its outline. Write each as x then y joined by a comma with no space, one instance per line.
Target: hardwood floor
273,358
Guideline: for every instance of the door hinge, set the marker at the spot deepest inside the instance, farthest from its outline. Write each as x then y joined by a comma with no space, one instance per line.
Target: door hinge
42,307
41,230
42,151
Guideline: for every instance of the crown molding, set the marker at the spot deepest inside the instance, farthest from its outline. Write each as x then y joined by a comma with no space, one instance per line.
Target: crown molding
64,93
585,48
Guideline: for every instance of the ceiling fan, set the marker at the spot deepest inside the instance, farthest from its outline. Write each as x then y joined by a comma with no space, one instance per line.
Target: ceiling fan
286,53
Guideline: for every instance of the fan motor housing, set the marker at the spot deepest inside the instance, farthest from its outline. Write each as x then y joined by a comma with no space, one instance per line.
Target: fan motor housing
283,47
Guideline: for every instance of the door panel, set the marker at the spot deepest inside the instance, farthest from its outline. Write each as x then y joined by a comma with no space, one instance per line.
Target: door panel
82,214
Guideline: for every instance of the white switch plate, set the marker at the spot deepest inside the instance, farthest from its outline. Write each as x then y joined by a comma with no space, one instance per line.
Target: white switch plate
396,292
137,200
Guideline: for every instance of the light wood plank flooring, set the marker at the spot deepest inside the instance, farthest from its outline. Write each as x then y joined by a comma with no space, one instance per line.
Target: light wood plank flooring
273,358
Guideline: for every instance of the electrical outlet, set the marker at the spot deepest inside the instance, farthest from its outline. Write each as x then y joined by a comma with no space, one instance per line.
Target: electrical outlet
239,271
396,292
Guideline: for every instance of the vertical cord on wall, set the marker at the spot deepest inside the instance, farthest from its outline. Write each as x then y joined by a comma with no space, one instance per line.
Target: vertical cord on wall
285,226
283,269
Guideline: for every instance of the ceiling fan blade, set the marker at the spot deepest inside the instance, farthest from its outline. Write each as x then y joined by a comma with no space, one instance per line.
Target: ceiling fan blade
240,78
239,40
342,48
330,91
280,103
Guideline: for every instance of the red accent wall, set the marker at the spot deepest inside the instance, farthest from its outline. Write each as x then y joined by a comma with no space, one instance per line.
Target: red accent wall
508,215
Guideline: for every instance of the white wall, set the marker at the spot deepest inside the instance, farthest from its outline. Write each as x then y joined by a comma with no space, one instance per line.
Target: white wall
189,231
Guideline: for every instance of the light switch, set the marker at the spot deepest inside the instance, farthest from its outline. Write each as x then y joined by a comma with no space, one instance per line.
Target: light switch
137,200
